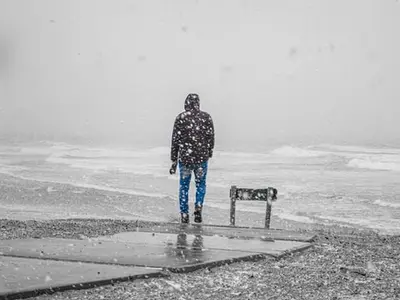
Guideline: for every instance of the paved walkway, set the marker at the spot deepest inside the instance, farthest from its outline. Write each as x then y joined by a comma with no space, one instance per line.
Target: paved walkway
30,267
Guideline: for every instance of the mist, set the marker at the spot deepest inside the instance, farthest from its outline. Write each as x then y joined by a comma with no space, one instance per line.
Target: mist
312,71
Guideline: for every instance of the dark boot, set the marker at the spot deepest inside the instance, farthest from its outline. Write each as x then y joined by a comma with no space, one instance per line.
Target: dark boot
197,214
184,218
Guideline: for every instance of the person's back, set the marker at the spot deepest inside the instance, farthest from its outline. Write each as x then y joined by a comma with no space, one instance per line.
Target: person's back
192,146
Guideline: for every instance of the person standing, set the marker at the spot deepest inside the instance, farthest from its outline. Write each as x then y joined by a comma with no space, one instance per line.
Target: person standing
191,148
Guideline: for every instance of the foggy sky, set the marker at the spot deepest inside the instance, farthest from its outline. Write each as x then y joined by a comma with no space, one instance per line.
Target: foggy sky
267,71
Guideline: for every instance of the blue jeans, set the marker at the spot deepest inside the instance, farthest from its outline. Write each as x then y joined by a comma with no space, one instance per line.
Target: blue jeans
200,174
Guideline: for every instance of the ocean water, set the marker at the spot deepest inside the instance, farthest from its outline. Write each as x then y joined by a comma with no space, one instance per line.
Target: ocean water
345,185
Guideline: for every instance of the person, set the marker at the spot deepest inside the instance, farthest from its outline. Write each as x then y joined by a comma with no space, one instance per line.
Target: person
191,148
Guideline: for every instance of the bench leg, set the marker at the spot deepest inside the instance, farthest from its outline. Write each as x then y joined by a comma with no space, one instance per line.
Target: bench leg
268,211
233,211
233,206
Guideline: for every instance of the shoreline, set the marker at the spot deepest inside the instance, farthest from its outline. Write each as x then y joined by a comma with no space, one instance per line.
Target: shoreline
31,199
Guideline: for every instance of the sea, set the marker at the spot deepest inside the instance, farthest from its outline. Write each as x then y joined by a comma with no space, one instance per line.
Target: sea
317,184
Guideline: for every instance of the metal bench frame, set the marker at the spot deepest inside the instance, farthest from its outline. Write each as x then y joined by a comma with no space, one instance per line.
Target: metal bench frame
244,194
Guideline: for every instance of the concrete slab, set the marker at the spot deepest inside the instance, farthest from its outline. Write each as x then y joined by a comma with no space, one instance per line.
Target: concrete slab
228,231
174,258
199,242
23,277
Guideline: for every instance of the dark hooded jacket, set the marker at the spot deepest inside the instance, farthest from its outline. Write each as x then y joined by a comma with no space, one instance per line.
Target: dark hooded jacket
193,134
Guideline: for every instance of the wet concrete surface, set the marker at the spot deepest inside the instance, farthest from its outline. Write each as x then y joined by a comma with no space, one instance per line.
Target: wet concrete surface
25,277
228,231
174,247
172,257
200,242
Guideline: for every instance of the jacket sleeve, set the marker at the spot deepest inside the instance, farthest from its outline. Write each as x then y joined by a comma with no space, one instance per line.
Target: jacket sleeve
211,136
175,141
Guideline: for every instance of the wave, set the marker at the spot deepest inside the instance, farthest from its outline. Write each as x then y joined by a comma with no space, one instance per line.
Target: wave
378,162
289,151
87,152
295,218
284,151
230,154
386,204
10,170
151,161
90,186
154,161
357,149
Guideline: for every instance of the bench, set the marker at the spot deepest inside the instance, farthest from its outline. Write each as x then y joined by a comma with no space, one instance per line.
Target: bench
243,194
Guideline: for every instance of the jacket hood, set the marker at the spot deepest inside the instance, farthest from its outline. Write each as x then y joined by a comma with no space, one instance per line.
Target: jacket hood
192,102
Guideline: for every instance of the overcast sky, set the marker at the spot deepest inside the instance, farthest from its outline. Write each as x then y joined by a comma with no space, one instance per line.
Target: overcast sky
284,70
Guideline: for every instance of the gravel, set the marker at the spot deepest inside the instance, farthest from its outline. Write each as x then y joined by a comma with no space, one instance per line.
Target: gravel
344,264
